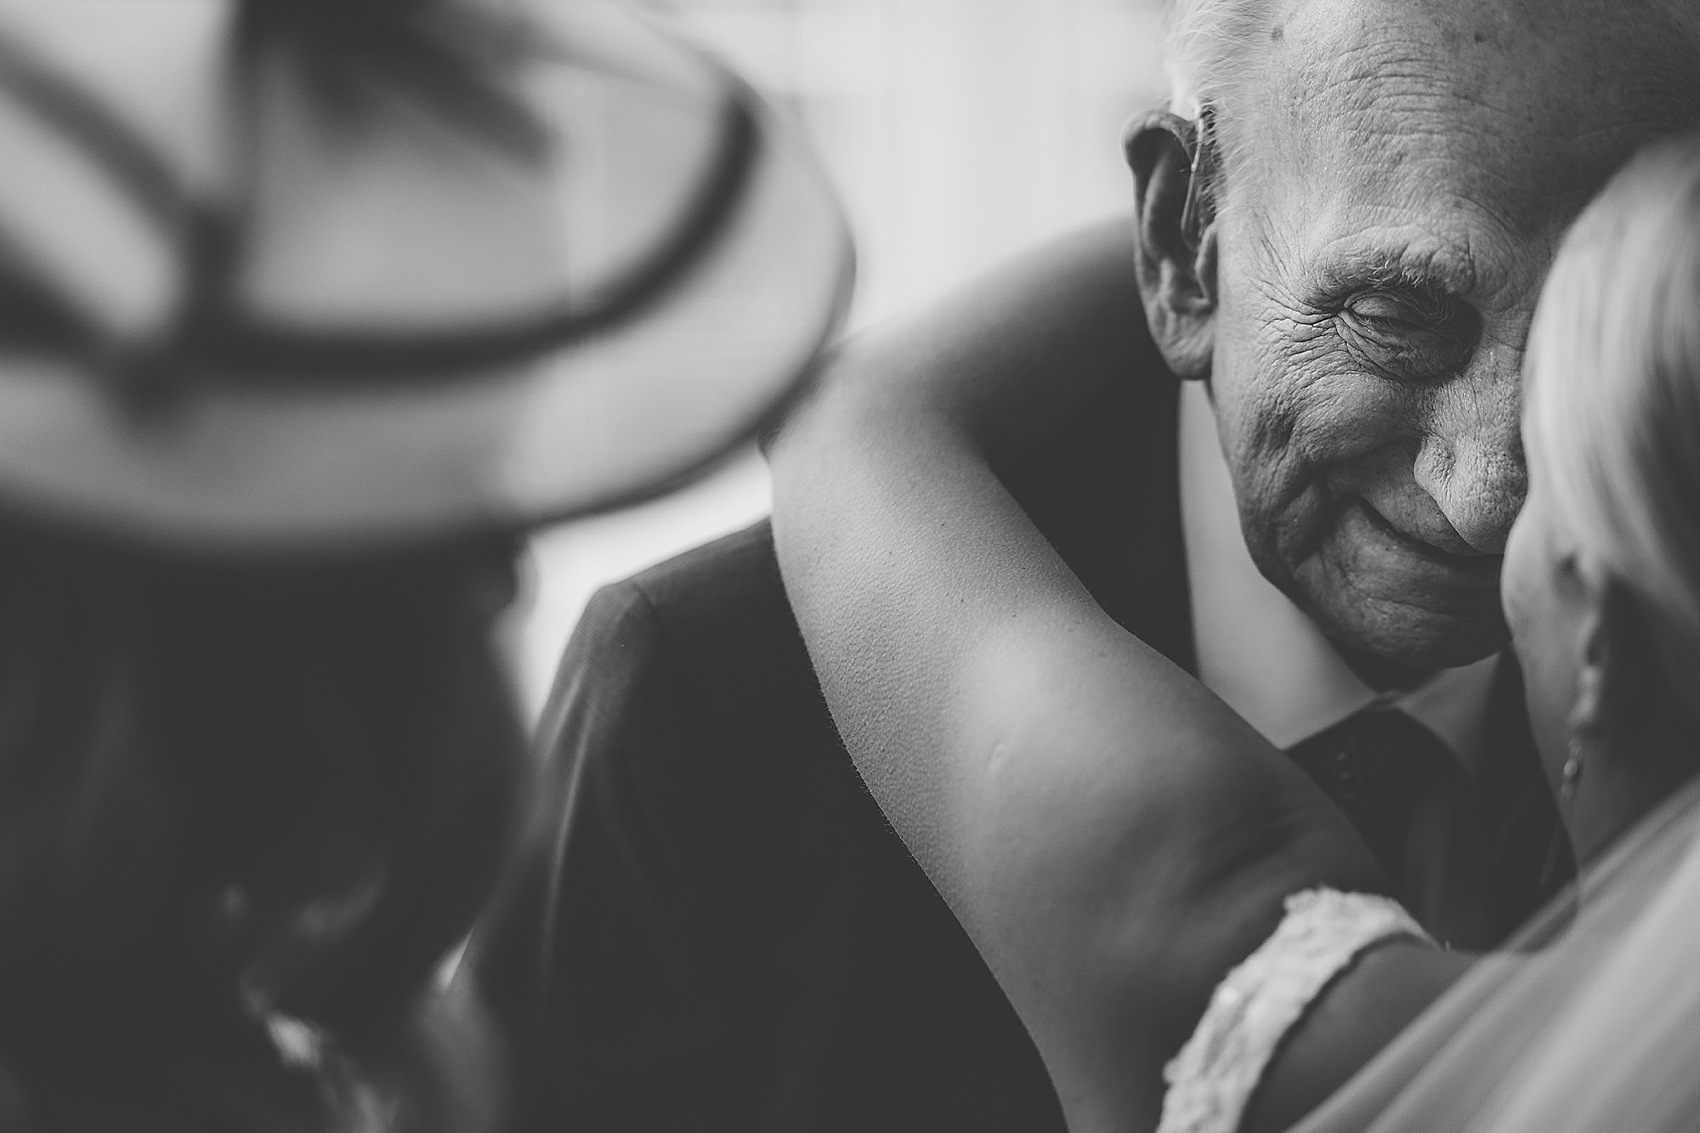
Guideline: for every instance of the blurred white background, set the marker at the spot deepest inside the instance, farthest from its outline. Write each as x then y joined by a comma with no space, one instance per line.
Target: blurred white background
957,132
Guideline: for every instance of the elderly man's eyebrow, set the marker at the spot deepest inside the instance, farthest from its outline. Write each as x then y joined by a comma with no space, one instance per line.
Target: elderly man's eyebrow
1340,275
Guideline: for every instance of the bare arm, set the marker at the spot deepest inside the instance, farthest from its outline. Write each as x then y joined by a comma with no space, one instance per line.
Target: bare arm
1113,837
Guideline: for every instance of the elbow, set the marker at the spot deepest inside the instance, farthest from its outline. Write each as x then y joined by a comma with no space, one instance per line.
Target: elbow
1286,838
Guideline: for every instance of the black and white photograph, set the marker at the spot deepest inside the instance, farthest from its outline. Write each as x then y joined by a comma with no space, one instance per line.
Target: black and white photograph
822,566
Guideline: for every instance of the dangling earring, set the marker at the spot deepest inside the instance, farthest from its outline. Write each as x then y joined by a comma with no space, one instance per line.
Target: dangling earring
1571,774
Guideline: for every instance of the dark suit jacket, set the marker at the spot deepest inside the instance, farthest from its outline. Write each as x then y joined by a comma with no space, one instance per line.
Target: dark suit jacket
720,931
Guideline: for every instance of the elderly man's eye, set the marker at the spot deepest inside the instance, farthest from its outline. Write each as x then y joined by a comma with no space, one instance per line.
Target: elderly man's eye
1386,311
1408,337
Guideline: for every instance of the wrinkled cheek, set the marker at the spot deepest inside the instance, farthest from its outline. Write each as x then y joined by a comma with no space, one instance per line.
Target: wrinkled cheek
1290,436
1345,414
1306,523
1269,363
1283,501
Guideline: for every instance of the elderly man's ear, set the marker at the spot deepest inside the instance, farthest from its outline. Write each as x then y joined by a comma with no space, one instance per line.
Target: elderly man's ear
1177,245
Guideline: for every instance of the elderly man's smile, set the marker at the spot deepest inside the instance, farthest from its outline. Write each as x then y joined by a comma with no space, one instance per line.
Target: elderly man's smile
1367,578
1394,565
1371,282
1459,561
1357,554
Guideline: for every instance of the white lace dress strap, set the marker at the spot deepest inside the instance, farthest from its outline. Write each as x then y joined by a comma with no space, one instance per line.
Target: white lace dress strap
1212,1078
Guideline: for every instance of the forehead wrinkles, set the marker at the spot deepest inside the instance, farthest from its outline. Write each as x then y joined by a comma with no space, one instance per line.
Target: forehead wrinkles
1460,115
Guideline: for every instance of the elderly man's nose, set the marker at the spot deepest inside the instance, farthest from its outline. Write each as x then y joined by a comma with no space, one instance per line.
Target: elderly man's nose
1476,474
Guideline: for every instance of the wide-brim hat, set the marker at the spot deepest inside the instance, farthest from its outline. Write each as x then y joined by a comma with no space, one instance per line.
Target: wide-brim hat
326,273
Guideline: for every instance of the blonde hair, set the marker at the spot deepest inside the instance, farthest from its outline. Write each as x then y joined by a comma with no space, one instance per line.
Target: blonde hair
1614,394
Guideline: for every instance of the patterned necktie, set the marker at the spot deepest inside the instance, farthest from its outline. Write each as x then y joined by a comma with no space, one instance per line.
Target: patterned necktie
1378,765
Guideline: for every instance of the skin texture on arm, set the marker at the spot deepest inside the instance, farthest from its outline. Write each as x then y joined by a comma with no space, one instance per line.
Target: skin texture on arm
1113,838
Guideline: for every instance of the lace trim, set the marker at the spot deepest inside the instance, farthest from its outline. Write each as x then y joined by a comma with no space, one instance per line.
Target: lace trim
1212,1078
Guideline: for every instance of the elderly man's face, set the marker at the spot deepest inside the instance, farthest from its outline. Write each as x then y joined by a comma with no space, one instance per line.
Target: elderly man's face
1404,172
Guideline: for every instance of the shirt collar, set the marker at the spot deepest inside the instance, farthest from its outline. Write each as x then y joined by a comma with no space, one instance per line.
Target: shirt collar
1260,653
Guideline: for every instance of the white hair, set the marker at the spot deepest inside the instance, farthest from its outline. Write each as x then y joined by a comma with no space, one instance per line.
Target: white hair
1614,394
1215,49
1211,43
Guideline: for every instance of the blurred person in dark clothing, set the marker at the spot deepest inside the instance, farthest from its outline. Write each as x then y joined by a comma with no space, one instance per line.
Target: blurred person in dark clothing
307,311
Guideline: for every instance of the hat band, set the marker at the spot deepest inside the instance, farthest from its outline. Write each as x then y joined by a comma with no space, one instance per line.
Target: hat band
210,337
251,351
